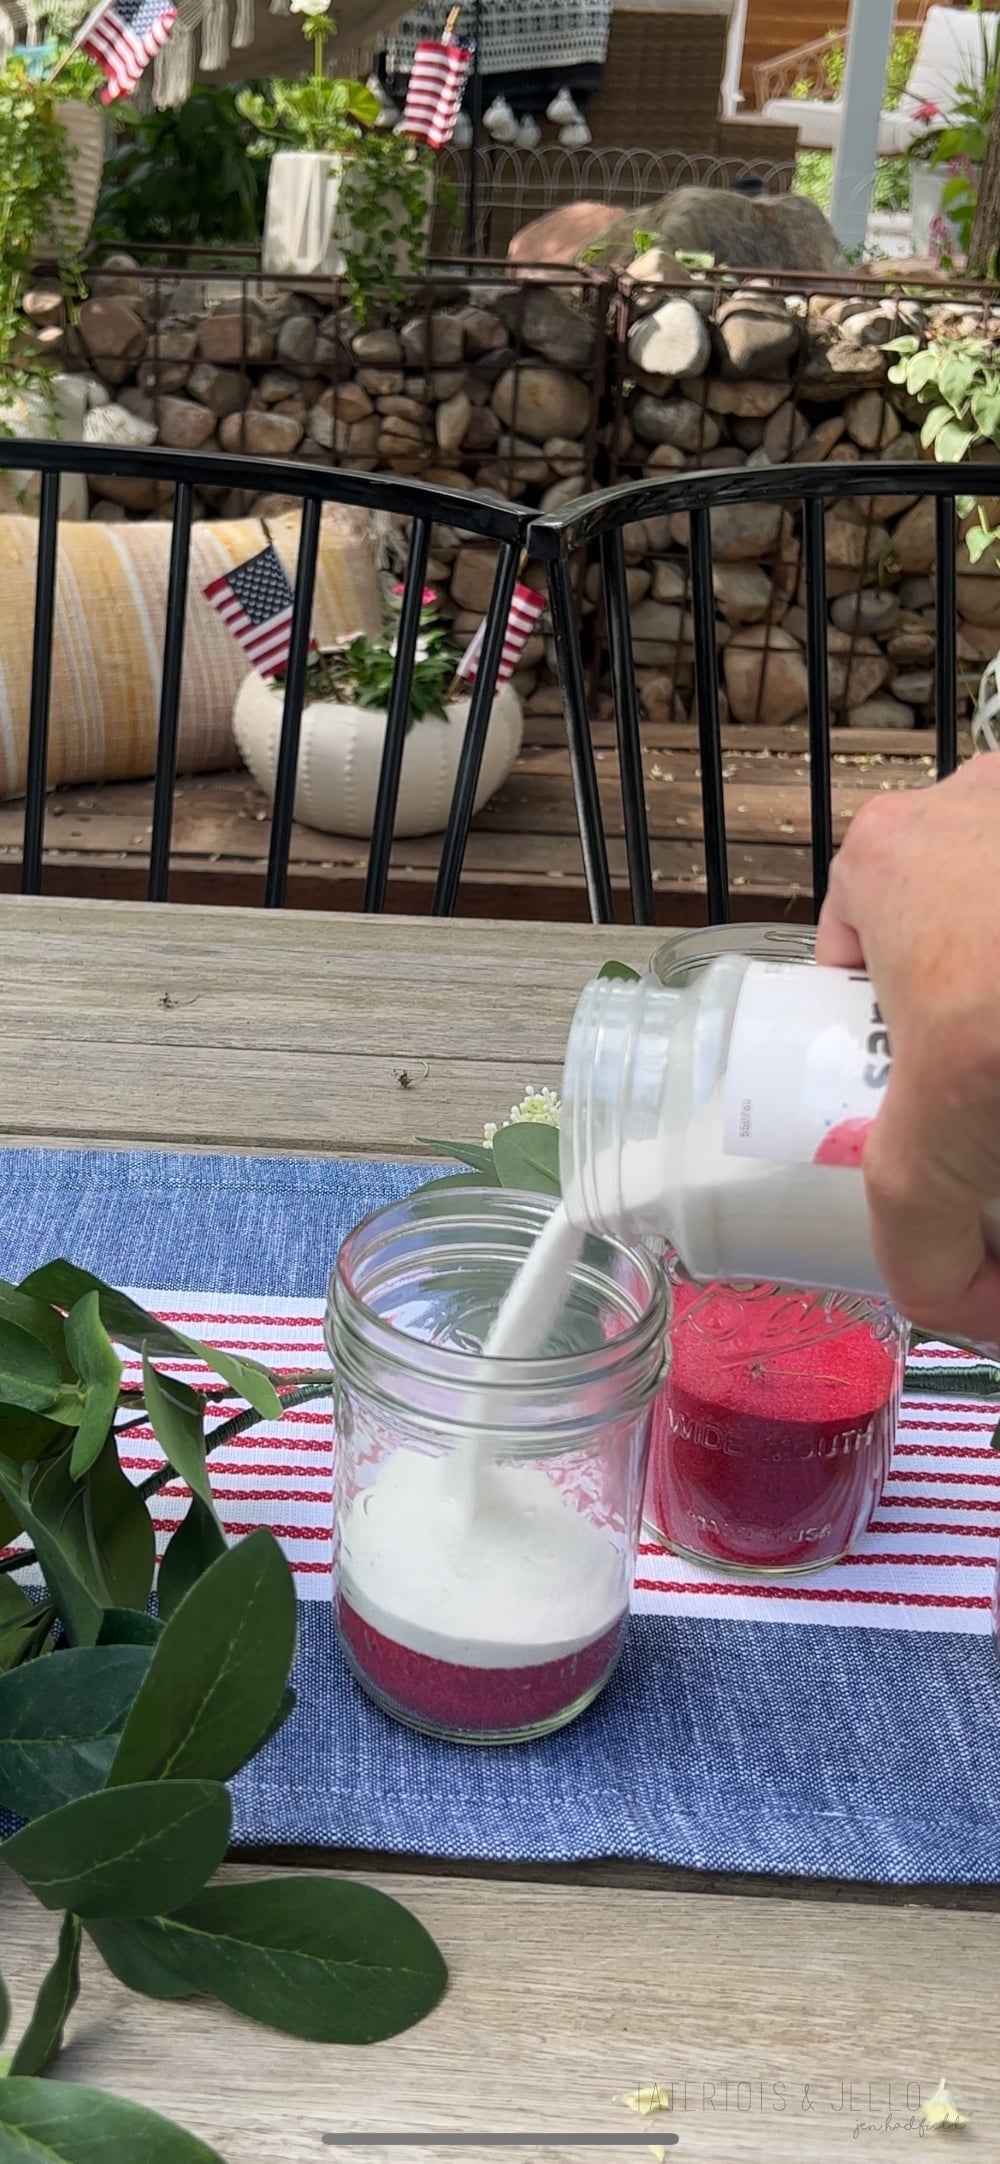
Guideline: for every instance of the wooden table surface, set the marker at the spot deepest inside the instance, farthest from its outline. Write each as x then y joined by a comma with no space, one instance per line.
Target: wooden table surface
791,2027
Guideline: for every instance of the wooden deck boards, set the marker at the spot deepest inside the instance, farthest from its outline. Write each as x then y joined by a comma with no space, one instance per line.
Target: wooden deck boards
523,859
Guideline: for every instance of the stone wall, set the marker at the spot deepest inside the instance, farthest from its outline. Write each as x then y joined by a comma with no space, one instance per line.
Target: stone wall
541,391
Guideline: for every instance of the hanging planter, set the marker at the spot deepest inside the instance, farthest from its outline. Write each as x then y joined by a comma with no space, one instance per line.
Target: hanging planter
340,758
83,127
322,206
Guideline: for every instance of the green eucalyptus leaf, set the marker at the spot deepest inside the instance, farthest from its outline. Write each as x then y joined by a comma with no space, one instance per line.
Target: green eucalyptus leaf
39,1320
477,1154
57,2122
322,1958
63,1285
129,1627
121,1535
23,1630
61,1550
198,1543
129,1956
57,1995
179,1427
527,1156
456,1181
620,970
60,1721
218,1672
30,1375
124,1852
96,1363
24,1437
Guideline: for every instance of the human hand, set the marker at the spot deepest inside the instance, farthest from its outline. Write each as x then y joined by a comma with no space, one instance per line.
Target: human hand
914,898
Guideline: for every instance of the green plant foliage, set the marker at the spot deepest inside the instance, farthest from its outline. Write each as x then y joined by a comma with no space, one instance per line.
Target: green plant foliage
60,1722
321,1958
36,207
216,1679
63,2124
115,1747
183,178
526,1154
57,1996
360,673
959,380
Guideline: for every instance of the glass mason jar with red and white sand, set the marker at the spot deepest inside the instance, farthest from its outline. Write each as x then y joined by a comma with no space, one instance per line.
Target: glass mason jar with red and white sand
487,1509
773,1433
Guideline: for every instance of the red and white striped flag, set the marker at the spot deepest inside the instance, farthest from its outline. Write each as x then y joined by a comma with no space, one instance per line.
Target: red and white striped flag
123,38
255,602
434,93
525,610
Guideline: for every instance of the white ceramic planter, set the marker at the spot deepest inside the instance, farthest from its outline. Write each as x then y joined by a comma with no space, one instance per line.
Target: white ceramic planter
306,226
61,417
927,186
340,755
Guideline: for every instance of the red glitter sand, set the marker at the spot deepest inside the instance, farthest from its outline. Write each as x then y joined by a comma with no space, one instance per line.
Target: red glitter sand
447,1698
767,1458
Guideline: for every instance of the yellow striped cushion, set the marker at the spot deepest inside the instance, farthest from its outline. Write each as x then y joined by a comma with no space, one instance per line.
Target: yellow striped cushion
108,638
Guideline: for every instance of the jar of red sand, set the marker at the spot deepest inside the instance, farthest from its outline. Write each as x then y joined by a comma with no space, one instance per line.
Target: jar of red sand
487,1509
773,1433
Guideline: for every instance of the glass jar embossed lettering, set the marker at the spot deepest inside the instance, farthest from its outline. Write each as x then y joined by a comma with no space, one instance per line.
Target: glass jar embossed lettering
487,1510
774,1430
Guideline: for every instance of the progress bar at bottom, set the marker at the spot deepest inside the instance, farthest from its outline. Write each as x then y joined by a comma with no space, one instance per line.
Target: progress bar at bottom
473,2137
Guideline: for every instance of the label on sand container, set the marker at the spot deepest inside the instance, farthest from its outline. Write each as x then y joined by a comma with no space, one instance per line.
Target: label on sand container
808,1065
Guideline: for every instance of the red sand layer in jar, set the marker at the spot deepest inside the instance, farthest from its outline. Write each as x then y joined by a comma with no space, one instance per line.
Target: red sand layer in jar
772,1436
446,1697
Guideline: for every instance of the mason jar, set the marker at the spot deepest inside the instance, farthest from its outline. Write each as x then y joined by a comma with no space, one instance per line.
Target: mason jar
487,1510
772,1436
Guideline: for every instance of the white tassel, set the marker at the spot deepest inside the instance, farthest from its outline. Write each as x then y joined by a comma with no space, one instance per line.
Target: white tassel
8,34
173,70
243,26
281,7
215,35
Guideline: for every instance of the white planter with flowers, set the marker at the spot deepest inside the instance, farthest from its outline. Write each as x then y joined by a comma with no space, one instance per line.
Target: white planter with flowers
344,198
343,735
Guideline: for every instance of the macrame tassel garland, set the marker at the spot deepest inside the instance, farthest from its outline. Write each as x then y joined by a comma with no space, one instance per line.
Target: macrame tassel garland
215,35
173,69
243,25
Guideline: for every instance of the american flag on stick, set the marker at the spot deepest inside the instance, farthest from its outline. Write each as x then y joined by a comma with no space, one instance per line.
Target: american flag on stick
525,610
255,602
123,38
434,92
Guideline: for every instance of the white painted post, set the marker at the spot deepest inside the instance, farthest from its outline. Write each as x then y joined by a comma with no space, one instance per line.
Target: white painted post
869,38
732,97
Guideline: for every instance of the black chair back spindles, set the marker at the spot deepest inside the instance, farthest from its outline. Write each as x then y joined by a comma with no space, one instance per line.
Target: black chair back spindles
599,521
423,504
41,683
474,743
946,633
287,766
170,694
580,743
818,674
397,716
625,692
706,691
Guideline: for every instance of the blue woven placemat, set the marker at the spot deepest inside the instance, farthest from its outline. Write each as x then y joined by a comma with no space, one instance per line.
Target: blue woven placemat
750,1745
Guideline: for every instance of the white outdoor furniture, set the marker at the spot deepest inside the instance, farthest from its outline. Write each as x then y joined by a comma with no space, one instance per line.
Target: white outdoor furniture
949,49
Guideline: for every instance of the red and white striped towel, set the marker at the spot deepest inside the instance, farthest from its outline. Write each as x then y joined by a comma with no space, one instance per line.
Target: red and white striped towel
928,1562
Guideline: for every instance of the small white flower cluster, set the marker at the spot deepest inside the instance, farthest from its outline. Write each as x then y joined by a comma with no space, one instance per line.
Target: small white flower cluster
541,1106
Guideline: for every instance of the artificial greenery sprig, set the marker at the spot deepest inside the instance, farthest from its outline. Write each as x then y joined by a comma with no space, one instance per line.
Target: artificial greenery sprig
116,1748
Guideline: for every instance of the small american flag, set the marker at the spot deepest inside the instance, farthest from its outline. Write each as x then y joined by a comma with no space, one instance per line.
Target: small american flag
525,610
123,38
255,601
434,93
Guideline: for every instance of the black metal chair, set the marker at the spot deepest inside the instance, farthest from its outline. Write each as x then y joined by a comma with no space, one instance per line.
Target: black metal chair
599,521
423,504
